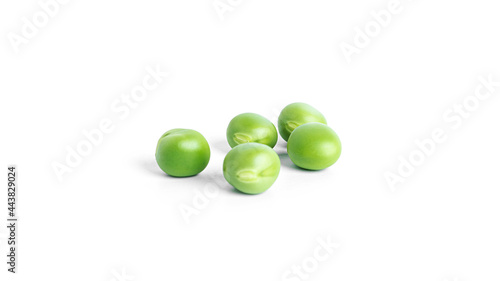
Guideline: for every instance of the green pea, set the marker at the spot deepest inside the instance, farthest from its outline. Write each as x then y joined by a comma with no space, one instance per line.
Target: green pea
314,146
251,167
251,127
296,114
182,152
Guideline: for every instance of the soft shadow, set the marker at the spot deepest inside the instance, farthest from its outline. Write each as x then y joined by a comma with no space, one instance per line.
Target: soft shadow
280,147
222,146
201,179
152,167
285,161
205,177
236,192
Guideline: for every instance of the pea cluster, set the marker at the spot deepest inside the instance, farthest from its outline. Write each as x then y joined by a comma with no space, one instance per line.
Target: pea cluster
252,166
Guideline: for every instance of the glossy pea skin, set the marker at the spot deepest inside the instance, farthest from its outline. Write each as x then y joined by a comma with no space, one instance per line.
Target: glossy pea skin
182,152
314,146
251,127
251,167
296,114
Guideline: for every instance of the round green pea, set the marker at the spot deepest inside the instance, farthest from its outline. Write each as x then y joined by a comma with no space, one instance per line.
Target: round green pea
251,127
182,152
314,146
296,114
251,167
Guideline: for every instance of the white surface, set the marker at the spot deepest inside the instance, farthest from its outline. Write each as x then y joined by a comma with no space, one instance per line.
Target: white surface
117,211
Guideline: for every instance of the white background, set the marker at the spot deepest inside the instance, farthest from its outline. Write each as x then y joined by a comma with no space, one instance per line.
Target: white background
117,211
